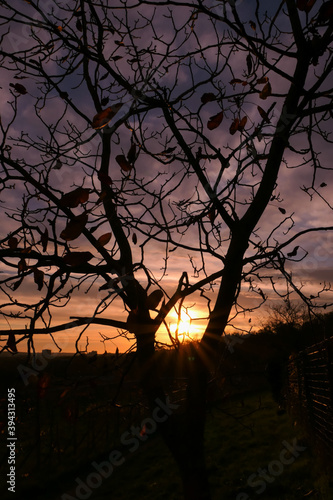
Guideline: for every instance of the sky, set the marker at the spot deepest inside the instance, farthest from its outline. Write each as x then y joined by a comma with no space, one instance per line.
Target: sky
301,210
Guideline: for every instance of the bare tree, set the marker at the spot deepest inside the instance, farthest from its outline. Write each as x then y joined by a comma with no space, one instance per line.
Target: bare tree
160,127
292,314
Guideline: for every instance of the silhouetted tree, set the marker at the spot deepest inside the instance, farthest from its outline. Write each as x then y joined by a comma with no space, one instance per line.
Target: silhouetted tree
133,127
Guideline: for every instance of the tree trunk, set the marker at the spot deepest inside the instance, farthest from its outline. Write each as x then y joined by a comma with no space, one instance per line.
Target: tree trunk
183,430
193,466
183,433
193,470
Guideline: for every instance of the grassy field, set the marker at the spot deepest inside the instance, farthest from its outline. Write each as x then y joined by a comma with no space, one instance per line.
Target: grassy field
244,435
238,443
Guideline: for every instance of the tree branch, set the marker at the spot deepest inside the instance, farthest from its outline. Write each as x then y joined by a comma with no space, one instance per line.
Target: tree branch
66,326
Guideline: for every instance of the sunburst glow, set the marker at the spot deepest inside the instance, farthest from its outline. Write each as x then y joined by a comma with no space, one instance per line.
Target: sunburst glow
185,326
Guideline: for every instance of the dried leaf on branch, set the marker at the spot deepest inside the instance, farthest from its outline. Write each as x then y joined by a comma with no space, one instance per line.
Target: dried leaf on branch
74,259
12,242
44,240
104,239
207,97
124,164
11,341
74,227
263,114
20,89
131,155
72,199
39,278
249,64
234,126
242,124
266,91
214,121
102,118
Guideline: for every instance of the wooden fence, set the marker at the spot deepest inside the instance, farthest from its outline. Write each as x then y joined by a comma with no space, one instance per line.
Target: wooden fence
310,393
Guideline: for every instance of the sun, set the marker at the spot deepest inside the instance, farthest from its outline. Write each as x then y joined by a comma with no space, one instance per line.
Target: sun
183,328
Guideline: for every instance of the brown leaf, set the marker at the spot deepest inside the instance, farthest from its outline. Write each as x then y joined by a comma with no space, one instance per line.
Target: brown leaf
282,210
323,184
131,155
101,196
104,178
104,239
44,239
242,123
103,117
208,97
75,197
17,283
235,80
77,258
253,25
26,250
214,121
234,126
261,80
306,5
19,88
21,266
154,299
79,26
11,342
263,114
211,215
39,278
12,242
266,91
74,227
124,163
58,165
134,239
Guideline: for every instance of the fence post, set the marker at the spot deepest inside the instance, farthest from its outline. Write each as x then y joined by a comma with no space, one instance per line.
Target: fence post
307,390
330,368
301,384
